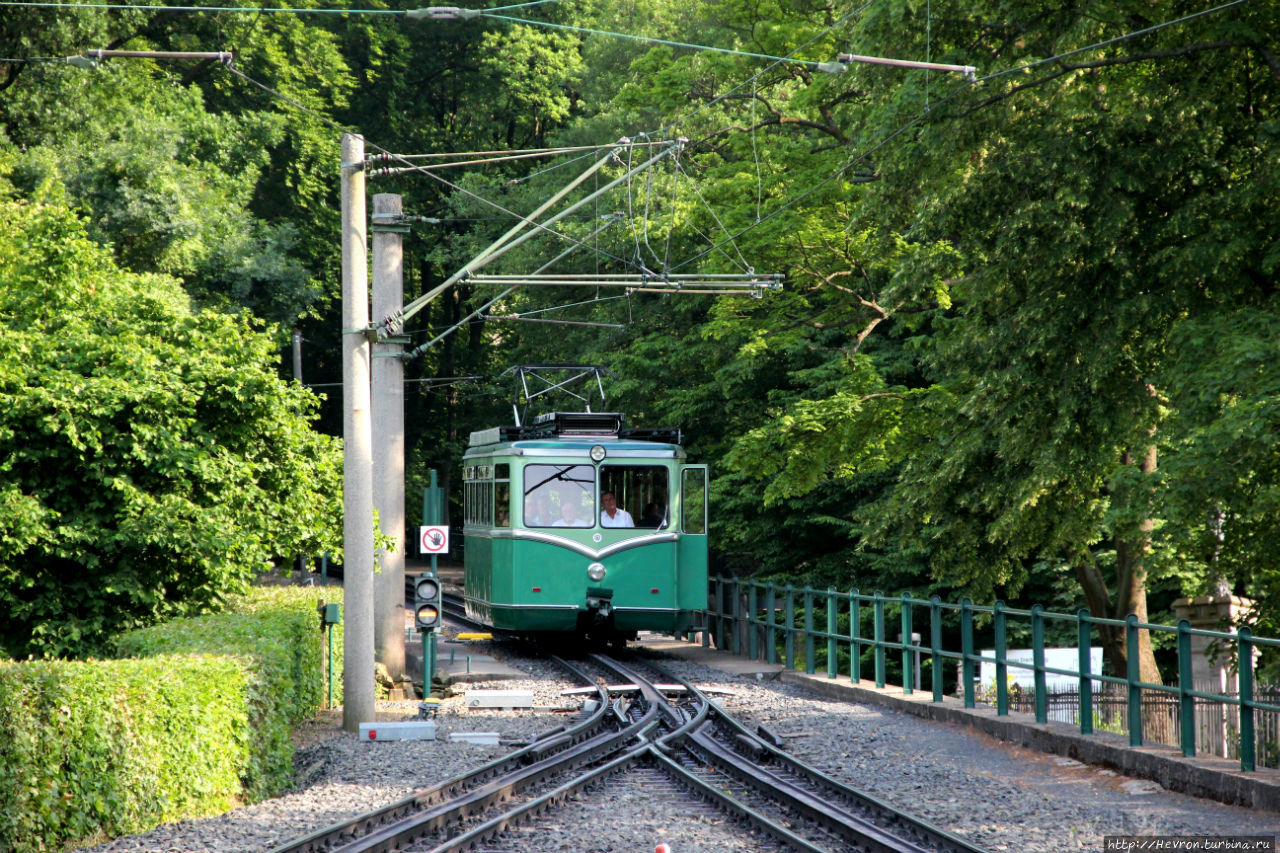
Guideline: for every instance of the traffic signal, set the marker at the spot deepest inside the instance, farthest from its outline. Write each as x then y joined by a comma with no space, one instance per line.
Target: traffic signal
427,614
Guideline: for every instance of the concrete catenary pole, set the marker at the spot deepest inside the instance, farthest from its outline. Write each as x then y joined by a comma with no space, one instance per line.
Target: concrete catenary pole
388,437
303,559
357,477
297,356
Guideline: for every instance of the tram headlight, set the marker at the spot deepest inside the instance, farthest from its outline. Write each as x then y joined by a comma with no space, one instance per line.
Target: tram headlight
598,453
595,571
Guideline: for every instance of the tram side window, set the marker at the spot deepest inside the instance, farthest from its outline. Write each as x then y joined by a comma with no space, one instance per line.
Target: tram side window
694,501
640,490
502,495
486,496
467,486
559,496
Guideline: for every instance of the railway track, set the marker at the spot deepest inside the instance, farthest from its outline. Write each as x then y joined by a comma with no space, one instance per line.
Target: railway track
650,725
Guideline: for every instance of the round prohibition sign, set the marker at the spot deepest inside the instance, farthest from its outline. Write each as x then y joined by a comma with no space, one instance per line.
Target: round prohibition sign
433,540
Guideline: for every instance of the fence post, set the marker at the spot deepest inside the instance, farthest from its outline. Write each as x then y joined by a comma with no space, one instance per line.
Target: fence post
966,650
908,672
935,645
1186,702
808,629
720,614
855,640
833,668
878,603
998,624
1037,662
1086,662
1133,675
735,620
753,621
789,605
1244,668
771,629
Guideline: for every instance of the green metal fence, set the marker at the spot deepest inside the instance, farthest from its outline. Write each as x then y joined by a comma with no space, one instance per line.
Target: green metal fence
763,621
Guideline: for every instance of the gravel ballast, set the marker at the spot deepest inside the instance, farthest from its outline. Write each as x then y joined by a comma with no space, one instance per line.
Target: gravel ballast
989,793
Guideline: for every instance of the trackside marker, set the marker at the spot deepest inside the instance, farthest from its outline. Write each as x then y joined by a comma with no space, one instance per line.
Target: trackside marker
662,848
407,730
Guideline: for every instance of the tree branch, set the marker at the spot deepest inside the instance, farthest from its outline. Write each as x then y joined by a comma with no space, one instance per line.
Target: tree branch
12,71
1068,67
1271,60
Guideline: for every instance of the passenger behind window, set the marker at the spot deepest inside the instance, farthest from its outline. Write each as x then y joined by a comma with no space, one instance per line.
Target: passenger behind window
537,511
568,516
652,517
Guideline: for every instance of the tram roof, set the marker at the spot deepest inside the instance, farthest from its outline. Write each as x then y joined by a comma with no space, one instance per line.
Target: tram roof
572,431
614,448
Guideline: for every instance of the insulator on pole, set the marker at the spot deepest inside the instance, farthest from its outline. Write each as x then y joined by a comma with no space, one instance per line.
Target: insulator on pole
442,13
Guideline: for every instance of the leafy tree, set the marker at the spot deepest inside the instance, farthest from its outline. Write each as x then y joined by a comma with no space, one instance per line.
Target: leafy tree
152,462
1096,204
183,167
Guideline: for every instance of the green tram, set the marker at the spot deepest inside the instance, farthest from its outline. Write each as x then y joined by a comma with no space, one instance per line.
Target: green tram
574,525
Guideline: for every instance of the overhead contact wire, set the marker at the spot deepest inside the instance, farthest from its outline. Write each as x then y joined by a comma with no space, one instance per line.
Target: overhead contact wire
855,160
243,9
445,182
646,39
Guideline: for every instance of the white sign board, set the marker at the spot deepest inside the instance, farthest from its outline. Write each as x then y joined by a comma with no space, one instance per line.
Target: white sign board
1064,659
433,539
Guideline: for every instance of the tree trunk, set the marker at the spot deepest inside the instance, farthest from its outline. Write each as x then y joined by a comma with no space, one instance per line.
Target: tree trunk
1130,597
1131,586
1130,591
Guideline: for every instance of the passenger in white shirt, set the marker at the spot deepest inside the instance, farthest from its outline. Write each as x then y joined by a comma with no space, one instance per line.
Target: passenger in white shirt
611,516
569,516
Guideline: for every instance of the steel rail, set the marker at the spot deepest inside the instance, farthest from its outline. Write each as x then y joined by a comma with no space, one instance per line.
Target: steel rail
725,802
656,704
534,807
817,810
751,759
542,746
417,826
714,794
760,744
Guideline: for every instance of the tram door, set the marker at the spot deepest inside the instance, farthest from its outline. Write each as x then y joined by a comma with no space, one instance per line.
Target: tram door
691,550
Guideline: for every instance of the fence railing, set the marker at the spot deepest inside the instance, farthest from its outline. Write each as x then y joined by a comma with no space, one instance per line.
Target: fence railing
762,620
1216,729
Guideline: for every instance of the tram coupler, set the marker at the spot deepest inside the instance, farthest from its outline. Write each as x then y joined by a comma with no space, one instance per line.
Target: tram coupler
599,606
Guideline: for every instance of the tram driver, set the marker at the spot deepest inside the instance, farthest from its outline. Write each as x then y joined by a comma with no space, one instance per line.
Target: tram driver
612,515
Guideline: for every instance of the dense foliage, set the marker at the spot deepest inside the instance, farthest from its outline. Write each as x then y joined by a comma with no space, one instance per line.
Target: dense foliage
151,460
117,746
1027,343
196,721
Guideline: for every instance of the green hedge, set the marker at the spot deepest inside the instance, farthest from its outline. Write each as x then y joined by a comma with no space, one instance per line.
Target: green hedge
196,719
115,747
278,627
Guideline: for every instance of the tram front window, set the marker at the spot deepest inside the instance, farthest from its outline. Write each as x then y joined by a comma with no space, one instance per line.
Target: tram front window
640,491
559,496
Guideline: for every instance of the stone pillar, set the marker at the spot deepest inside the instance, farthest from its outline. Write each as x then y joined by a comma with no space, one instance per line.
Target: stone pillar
1219,612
